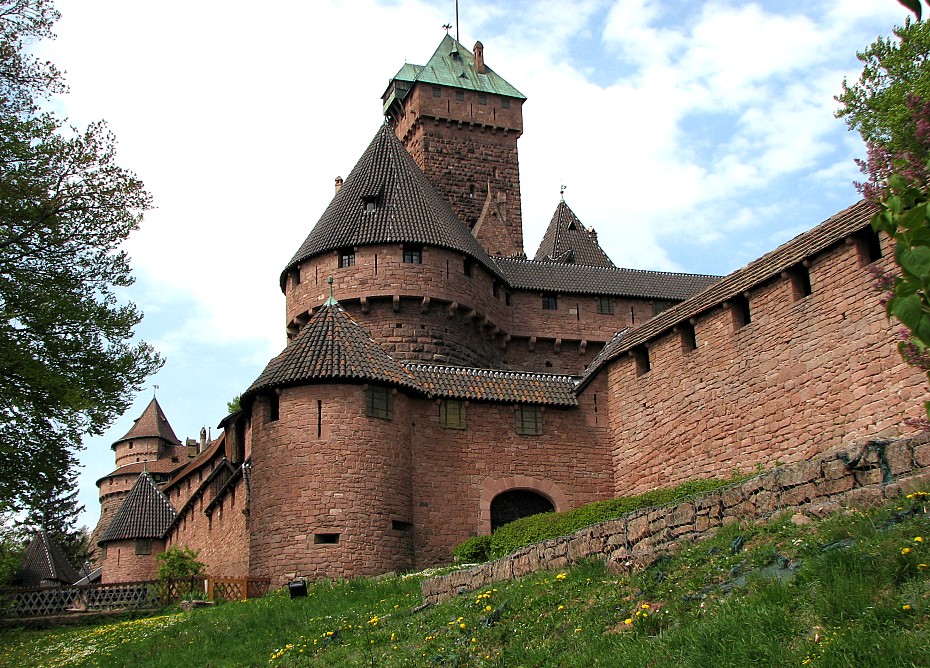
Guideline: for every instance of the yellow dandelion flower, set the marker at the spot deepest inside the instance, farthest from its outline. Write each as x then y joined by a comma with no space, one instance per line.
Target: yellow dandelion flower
463,626
561,607
561,576
906,606
918,539
627,621
905,550
921,567
488,608
645,606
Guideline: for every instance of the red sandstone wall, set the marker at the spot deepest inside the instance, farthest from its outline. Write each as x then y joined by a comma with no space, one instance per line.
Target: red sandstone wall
352,479
457,473
222,539
122,564
137,450
461,157
805,376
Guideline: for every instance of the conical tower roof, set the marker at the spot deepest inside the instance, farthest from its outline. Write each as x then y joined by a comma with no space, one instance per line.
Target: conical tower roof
332,346
44,560
151,424
145,513
568,241
387,199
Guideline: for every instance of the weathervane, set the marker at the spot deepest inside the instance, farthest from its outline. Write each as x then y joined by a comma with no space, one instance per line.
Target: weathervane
447,27
562,189
154,388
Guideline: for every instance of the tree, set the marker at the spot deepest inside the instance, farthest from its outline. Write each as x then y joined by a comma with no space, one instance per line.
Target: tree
68,365
53,506
876,105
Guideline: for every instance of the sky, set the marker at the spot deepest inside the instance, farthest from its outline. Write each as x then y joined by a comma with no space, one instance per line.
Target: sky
693,136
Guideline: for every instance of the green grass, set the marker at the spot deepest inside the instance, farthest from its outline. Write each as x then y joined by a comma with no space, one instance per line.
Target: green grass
780,600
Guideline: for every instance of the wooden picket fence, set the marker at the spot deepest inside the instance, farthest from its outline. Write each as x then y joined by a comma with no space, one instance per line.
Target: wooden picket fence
142,595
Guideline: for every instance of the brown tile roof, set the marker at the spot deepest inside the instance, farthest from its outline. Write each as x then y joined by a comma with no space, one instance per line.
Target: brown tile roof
192,465
44,560
408,208
568,241
145,513
332,346
151,423
162,465
495,385
223,468
588,280
829,233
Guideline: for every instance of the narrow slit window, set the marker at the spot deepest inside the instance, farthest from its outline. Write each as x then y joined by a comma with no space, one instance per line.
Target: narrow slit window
800,278
870,246
742,315
400,525
688,337
641,357
274,408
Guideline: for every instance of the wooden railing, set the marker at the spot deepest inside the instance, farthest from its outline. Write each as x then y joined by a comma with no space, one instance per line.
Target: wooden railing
143,595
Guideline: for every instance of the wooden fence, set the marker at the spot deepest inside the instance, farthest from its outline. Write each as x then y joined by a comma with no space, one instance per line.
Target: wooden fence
143,595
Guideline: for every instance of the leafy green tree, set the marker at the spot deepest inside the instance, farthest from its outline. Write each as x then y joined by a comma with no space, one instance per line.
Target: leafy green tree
234,405
894,69
68,365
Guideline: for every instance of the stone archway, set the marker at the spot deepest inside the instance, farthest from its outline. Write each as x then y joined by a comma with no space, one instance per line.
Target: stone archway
516,503
493,487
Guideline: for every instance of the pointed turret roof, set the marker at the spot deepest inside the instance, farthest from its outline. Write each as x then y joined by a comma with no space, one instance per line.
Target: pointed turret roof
44,561
451,65
568,241
387,199
151,424
145,513
332,346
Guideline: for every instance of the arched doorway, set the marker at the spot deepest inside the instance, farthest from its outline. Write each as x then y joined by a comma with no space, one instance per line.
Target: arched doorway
516,503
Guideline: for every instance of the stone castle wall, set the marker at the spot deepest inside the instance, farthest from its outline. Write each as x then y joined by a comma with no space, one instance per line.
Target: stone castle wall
864,474
121,563
807,374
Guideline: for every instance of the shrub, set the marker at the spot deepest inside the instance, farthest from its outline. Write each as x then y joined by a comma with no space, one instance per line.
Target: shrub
179,562
474,550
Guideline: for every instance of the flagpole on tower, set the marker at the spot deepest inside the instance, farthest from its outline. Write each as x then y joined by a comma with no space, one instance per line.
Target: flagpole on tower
457,21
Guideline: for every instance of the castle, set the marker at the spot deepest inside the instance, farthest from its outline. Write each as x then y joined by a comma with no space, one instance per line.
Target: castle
436,383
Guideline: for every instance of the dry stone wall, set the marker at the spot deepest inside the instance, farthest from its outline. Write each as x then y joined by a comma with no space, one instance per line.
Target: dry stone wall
860,475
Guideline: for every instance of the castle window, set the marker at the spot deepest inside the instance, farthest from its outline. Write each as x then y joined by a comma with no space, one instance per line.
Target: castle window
325,538
413,254
400,525
294,275
452,414
800,282
688,337
143,546
468,265
346,258
870,246
505,103
549,301
459,95
437,91
379,402
273,408
641,357
605,305
660,305
482,98
496,289
742,316
529,420
508,299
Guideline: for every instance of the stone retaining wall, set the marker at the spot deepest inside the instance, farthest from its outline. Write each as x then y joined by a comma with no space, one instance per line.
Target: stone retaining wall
862,475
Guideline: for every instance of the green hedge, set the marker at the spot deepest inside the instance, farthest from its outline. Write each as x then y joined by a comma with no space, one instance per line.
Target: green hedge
472,551
544,526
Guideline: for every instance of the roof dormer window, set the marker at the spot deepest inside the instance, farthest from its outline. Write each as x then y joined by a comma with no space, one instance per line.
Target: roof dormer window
370,202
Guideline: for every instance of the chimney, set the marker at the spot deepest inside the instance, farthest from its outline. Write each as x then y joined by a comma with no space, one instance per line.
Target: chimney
479,58
203,439
592,234
338,183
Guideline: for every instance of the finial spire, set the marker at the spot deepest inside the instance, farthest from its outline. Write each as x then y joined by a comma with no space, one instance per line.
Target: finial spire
332,299
562,190
154,389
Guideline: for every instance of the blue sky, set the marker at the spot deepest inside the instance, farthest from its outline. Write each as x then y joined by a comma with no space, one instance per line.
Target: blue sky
694,136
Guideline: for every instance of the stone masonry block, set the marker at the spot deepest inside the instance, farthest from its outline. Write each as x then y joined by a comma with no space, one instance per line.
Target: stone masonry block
899,456
922,455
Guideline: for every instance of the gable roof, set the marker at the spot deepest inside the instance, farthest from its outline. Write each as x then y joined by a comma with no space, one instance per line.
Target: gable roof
408,209
45,560
590,280
495,385
568,241
332,346
456,71
829,233
145,513
151,424
202,459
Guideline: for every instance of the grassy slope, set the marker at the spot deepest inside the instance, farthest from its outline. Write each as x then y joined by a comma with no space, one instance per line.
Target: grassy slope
780,599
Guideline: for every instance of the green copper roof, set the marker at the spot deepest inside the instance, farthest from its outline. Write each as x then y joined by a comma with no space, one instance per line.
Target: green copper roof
458,72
